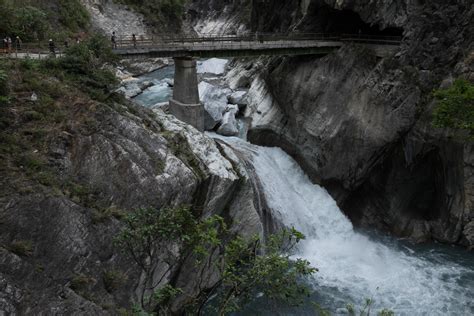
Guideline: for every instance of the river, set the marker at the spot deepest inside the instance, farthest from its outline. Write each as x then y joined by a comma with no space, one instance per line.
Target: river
430,279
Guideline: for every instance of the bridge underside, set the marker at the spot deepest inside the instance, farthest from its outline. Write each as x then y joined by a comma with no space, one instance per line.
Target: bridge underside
266,49
144,52
185,104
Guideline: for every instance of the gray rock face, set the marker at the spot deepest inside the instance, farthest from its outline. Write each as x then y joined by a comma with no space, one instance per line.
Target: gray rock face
239,98
109,17
214,100
119,159
362,126
229,125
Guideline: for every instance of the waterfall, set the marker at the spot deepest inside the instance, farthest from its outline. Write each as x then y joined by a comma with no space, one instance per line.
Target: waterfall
353,266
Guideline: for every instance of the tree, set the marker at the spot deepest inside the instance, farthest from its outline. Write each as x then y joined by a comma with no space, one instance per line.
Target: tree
30,23
250,267
169,237
165,238
3,87
455,107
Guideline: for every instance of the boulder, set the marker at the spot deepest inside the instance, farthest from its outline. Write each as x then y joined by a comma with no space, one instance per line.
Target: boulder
229,126
169,82
239,98
214,99
214,66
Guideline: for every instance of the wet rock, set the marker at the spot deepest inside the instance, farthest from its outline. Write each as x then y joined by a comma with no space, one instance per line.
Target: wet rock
229,125
169,82
138,67
214,99
359,130
120,158
213,66
239,98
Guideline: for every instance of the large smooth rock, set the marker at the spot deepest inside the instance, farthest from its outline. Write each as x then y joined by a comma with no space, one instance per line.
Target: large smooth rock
214,99
229,126
213,66
239,98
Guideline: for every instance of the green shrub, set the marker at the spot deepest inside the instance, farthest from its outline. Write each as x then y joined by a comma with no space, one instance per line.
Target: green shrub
83,64
455,108
22,248
247,266
159,12
30,22
4,91
113,280
73,15
33,116
102,215
81,282
39,20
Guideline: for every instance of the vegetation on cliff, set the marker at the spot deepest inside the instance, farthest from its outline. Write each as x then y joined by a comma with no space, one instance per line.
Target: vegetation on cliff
158,13
35,101
162,241
39,20
455,108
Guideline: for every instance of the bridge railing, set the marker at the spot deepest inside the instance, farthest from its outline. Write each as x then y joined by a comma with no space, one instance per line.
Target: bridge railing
164,40
36,50
205,41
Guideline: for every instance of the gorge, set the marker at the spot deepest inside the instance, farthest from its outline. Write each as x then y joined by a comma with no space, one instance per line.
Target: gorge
341,147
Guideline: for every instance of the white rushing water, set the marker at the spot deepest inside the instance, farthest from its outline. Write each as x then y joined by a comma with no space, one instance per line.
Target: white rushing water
352,266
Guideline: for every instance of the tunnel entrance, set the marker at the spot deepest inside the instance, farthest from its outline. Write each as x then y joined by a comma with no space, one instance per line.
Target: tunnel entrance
397,192
323,19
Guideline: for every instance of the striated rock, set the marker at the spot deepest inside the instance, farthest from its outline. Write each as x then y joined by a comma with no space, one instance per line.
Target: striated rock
239,98
139,66
109,17
219,17
111,160
213,66
229,125
214,99
361,126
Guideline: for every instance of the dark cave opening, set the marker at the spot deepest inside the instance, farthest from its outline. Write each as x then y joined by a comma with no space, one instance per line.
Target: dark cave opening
322,18
415,192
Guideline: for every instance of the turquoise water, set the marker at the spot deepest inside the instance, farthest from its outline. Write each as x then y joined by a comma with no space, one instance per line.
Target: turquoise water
428,279
160,92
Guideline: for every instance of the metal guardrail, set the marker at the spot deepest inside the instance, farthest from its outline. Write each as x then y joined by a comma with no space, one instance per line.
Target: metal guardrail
274,40
38,50
208,41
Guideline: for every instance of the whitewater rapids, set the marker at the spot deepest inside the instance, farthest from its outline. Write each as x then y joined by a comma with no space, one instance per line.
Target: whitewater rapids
351,266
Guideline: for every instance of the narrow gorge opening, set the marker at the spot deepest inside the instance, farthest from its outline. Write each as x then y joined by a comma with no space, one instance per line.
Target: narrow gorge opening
416,191
344,22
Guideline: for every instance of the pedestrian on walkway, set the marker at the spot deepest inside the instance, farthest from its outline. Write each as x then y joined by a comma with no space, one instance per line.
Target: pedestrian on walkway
134,40
5,45
9,44
113,39
52,47
18,43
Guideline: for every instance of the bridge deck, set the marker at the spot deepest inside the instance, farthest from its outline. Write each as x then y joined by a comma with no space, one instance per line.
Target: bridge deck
231,46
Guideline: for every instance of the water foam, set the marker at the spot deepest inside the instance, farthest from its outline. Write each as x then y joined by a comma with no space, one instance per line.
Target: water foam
352,266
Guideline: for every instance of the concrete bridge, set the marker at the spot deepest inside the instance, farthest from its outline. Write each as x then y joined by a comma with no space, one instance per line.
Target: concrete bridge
185,104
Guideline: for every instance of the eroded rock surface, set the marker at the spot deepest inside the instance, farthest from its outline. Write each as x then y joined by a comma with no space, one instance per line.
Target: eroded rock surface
56,243
361,126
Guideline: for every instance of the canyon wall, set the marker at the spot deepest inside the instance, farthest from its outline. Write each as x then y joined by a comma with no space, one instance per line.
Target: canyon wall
361,126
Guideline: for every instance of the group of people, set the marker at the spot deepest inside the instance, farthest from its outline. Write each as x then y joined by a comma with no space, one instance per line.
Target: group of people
113,40
9,44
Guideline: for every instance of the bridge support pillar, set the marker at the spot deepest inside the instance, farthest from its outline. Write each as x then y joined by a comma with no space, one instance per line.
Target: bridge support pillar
185,104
